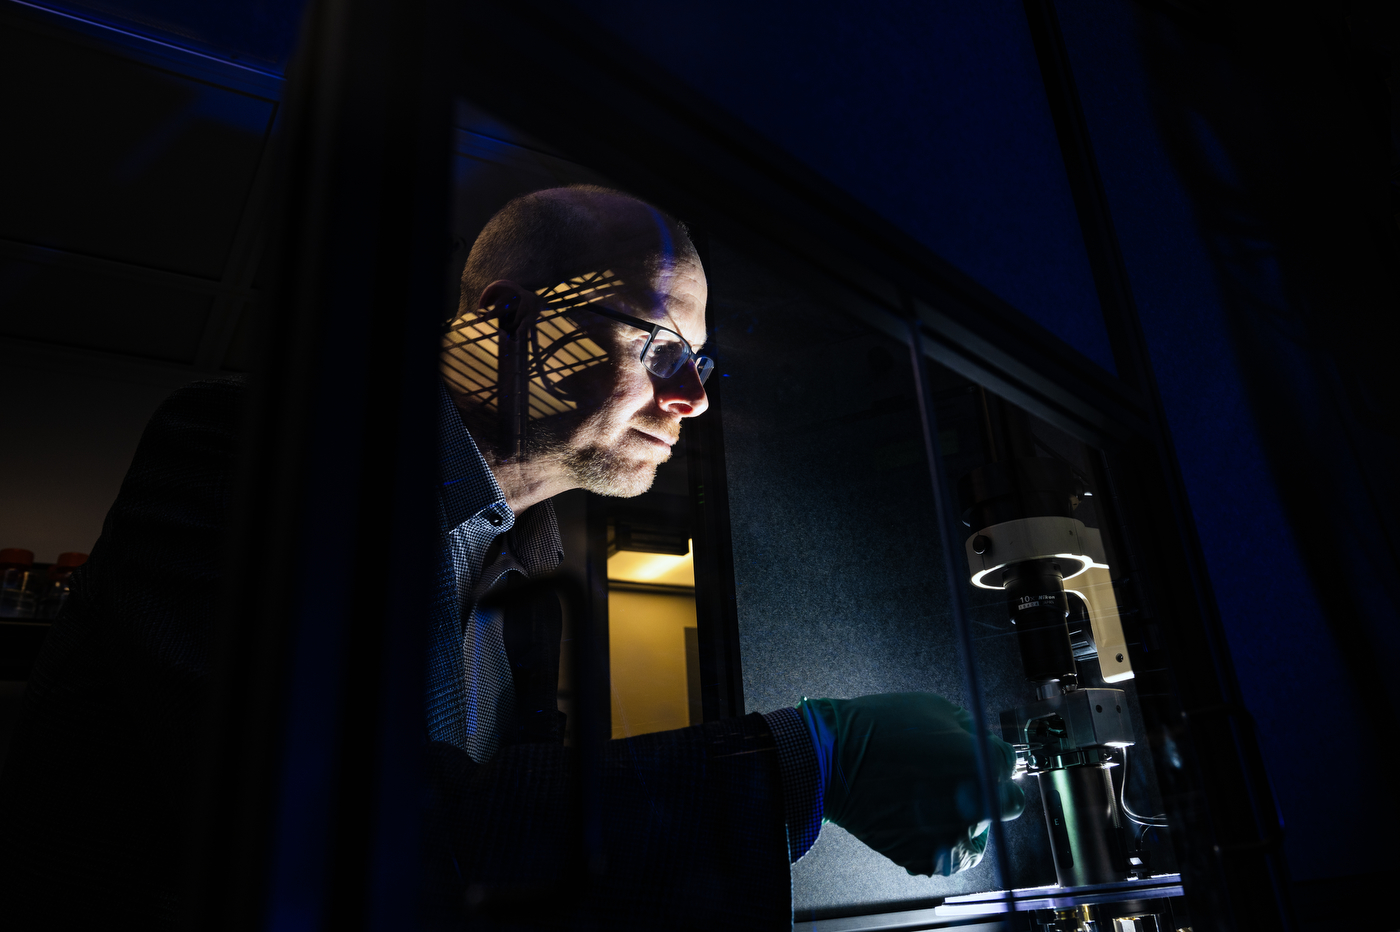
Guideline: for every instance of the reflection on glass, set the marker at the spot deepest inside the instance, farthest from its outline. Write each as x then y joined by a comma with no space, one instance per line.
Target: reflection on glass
841,590
839,578
559,348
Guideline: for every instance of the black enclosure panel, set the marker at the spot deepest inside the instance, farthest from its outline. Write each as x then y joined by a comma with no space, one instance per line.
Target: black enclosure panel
49,302
137,164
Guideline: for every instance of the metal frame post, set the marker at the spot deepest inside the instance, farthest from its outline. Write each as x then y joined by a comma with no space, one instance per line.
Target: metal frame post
945,503
313,804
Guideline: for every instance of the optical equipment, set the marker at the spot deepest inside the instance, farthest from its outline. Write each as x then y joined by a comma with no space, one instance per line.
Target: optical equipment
1027,543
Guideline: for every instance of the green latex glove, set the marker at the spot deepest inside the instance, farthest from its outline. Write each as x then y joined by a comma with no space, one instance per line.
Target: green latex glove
900,771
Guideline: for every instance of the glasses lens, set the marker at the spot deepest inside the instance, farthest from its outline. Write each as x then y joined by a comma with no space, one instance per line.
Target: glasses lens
666,354
704,365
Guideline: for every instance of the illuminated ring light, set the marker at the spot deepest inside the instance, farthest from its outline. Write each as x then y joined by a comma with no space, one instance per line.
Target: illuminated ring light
1084,563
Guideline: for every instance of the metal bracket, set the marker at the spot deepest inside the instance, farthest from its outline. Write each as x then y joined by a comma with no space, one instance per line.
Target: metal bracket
1076,728
1085,571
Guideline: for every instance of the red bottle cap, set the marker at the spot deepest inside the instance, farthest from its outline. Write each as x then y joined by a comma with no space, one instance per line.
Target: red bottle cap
71,560
17,556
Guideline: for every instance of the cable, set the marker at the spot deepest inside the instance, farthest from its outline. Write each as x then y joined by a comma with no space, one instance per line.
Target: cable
1156,821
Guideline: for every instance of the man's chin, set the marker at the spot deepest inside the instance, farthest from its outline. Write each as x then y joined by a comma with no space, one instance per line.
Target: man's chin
628,484
612,475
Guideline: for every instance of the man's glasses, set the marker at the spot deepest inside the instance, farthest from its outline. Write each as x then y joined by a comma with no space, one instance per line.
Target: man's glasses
666,352
560,351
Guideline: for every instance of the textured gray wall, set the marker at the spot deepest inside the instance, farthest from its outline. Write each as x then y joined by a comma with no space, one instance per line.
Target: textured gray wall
838,569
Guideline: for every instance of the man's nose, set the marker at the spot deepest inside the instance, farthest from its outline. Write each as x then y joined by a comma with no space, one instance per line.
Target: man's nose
682,394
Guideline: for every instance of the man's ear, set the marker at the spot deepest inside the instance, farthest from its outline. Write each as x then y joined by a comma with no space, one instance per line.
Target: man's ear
508,302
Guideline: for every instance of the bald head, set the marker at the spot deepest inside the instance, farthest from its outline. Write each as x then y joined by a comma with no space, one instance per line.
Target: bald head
601,278
549,236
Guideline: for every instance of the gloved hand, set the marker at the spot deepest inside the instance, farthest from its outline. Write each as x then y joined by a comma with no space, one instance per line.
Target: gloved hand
900,771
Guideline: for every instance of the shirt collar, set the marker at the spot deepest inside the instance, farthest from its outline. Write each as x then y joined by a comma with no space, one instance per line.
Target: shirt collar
467,486
469,489
536,541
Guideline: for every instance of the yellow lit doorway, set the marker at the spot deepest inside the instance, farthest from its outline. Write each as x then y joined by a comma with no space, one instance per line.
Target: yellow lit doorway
652,644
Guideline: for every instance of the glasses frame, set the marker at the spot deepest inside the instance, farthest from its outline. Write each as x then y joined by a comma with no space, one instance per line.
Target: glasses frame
704,365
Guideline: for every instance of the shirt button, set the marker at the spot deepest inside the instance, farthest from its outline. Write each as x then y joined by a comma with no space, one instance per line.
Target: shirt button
495,518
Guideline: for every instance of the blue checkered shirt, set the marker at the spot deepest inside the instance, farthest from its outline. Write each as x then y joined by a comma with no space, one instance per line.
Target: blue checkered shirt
471,694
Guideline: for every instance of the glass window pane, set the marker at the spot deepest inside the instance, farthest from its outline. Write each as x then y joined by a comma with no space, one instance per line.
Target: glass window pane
842,589
838,569
1049,596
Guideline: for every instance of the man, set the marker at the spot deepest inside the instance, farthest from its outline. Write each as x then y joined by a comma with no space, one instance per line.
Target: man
620,286
604,298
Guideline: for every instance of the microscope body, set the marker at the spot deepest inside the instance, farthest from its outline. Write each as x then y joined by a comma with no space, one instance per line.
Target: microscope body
1027,543
1067,741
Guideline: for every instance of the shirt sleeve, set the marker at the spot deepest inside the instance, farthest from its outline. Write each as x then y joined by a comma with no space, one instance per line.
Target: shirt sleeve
505,825
801,780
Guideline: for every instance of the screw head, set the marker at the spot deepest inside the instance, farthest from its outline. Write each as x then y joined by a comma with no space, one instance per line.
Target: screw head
981,544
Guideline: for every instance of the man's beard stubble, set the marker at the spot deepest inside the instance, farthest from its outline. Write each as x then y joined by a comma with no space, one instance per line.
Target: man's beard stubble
623,469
